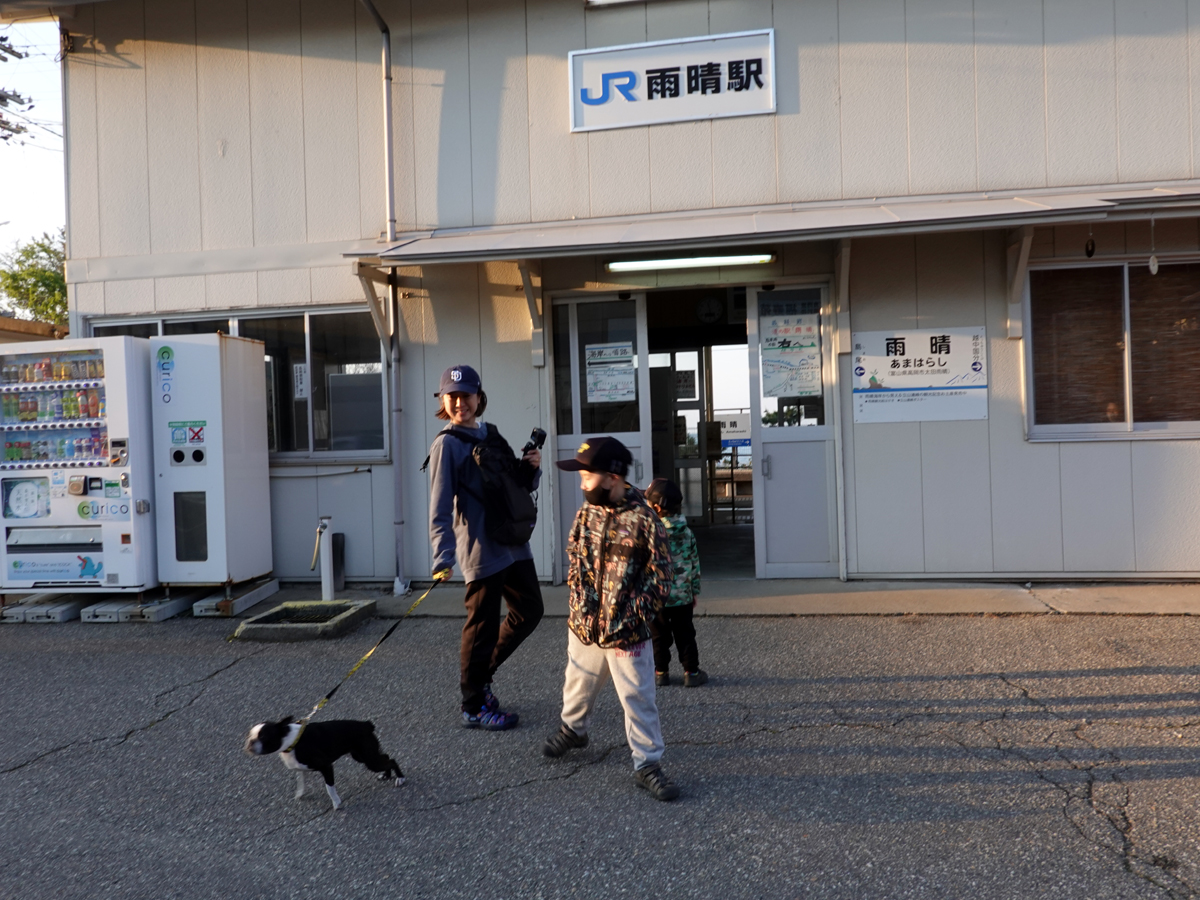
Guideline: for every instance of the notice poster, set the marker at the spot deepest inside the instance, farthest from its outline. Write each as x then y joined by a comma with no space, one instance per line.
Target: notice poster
610,373
790,350
920,375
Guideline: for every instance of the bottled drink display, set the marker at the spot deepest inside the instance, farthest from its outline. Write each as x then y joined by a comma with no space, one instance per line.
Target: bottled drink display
53,408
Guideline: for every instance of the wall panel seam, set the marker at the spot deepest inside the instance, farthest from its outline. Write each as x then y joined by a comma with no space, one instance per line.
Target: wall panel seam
975,99
1116,90
1187,43
1045,106
146,129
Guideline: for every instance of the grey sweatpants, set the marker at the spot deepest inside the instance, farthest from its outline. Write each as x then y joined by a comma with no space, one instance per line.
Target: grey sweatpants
632,672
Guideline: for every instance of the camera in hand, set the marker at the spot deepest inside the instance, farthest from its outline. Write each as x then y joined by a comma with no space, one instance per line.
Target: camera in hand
536,439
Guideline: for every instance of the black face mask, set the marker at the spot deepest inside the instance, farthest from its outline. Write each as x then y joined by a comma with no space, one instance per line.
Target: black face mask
598,496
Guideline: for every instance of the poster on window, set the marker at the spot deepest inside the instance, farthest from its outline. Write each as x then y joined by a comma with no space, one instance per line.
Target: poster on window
790,351
920,375
611,376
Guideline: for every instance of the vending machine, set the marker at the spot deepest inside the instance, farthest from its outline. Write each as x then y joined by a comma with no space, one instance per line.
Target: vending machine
76,478
209,415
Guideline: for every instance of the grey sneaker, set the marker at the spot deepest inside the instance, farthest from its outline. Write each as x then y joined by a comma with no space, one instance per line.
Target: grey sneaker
655,780
563,740
695,679
662,679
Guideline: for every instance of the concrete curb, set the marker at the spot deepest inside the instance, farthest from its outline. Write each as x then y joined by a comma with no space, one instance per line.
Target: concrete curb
829,597
264,627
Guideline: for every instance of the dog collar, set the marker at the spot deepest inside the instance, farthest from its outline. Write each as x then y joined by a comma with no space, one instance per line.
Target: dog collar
288,748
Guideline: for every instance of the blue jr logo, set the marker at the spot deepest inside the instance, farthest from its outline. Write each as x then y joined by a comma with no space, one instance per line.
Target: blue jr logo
622,81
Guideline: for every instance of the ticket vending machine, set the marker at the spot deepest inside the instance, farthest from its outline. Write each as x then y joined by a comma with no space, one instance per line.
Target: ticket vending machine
209,419
76,477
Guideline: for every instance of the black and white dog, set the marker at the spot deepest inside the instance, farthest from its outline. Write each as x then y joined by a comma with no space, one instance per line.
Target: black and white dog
319,746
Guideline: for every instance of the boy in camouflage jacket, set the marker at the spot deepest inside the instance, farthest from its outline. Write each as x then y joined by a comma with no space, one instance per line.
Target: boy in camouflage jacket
673,624
619,576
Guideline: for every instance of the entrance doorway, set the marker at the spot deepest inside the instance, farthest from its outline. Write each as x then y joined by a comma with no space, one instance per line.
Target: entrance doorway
727,391
699,410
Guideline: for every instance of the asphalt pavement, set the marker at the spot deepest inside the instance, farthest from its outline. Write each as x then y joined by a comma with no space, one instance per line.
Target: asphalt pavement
977,756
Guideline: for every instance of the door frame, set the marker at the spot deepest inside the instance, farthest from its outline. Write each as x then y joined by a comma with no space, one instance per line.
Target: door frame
830,373
565,445
762,437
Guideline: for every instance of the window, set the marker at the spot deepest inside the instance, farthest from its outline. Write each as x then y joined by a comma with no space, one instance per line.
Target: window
324,373
1110,347
791,359
347,383
608,351
202,326
562,369
131,329
287,379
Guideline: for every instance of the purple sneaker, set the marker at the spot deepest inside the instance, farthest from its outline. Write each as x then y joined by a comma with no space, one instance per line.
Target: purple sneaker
490,720
490,703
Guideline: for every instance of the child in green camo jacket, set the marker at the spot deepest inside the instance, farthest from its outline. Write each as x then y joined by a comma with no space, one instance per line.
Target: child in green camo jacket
674,620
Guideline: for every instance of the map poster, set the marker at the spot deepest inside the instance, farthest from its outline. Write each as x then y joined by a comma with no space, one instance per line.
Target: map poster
920,375
611,376
791,355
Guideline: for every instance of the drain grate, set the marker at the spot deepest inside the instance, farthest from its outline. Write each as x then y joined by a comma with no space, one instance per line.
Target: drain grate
291,615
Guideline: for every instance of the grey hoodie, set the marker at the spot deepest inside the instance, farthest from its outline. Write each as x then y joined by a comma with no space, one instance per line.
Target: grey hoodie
456,527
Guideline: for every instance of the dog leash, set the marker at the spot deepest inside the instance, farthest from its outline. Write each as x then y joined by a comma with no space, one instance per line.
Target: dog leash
358,665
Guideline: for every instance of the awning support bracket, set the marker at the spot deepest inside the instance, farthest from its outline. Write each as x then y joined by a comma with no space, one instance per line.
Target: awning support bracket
368,277
533,298
1020,243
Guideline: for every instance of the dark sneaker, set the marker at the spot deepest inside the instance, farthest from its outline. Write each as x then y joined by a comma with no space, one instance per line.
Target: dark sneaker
490,720
563,740
662,679
695,679
490,703
655,780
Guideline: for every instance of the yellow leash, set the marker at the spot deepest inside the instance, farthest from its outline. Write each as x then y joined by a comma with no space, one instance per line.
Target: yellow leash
321,703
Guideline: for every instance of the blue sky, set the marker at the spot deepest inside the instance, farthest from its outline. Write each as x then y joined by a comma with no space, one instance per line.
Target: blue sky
31,176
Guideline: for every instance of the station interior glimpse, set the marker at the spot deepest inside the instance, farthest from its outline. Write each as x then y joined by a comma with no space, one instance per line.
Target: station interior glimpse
700,418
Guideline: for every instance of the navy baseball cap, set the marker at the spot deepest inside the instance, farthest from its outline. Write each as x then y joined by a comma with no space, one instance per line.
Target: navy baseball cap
600,454
459,379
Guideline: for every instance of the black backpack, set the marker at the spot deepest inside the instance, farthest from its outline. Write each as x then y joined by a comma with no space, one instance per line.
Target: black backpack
509,511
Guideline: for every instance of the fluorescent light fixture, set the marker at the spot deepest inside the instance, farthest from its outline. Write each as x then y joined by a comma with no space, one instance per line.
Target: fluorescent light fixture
691,262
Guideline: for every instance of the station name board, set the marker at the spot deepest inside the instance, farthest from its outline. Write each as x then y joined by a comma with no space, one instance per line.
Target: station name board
683,80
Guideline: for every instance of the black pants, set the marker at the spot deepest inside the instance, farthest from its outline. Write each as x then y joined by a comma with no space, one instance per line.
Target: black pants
486,641
674,624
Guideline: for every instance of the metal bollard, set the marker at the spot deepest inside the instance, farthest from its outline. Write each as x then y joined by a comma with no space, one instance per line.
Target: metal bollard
324,551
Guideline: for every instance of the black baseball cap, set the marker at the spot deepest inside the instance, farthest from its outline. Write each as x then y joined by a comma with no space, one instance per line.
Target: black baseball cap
599,454
459,379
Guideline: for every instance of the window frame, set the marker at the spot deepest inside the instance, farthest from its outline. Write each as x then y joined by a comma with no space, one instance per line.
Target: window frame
233,317
1129,430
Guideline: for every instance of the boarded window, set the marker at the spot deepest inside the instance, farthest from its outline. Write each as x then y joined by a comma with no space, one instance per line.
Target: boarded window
1078,345
1164,328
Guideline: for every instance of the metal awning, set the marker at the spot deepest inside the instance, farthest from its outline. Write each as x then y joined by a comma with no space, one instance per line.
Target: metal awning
786,222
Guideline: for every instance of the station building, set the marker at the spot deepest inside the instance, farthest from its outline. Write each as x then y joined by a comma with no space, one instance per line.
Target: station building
893,289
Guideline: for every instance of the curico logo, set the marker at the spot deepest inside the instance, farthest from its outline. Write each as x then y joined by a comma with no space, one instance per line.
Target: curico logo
91,509
627,82
165,366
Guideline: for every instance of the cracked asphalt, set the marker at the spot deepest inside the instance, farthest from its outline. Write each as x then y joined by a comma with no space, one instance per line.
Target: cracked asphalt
897,756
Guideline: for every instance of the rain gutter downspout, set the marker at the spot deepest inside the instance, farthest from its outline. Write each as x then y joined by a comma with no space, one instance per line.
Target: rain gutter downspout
400,585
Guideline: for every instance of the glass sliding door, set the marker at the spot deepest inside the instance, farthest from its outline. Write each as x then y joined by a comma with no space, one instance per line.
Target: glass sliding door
791,378
602,387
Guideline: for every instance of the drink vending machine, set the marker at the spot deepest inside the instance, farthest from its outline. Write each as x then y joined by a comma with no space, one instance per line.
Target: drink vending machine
209,414
76,479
